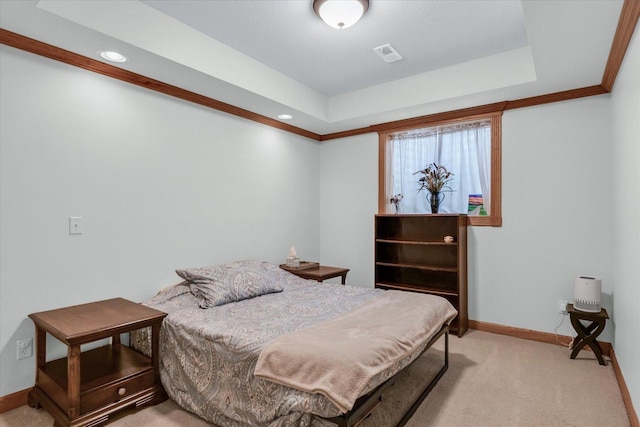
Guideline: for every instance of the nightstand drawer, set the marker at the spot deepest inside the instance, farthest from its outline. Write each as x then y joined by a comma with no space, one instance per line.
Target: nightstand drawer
97,398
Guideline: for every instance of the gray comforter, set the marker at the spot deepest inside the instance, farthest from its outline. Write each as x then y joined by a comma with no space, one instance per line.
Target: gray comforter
208,356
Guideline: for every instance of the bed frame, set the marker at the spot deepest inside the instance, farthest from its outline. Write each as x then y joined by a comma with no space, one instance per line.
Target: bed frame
366,404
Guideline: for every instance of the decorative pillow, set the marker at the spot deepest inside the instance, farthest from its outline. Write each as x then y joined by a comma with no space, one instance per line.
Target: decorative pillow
203,275
218,285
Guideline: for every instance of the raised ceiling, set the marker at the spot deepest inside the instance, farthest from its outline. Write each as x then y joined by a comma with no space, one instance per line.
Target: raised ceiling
273,57
289,38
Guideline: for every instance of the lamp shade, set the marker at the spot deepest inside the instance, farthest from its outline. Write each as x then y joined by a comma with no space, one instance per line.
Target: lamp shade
340,14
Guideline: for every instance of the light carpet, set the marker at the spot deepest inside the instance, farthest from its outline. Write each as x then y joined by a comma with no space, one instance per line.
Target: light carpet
492,381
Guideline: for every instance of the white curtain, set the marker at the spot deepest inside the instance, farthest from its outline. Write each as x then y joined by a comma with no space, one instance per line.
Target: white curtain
464,149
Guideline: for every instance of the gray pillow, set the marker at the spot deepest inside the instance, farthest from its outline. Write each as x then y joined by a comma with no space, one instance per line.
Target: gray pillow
222,284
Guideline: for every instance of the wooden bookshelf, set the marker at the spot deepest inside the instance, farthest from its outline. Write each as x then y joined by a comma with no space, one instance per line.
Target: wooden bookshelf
411,255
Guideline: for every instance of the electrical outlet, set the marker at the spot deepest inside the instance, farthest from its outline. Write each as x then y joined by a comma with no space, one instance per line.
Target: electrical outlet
562,306
25,348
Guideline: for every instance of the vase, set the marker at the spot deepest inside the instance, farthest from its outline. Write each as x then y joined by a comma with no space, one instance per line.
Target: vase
434,200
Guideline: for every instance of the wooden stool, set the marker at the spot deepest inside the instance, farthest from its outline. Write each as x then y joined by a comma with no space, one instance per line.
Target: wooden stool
587,334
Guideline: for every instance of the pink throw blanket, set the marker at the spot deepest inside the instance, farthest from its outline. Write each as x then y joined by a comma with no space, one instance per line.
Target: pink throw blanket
338,357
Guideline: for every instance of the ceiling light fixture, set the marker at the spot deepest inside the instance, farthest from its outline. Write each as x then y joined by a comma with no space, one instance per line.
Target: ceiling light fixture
112,56
340,14
285,117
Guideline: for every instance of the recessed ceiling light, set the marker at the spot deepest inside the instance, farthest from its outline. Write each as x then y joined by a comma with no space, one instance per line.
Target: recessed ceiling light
112,56
285,117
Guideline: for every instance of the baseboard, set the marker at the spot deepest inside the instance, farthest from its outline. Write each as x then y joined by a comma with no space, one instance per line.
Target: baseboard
531,335
550,338
14,400
626,397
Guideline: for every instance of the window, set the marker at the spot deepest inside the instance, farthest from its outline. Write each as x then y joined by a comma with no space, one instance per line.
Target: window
468,147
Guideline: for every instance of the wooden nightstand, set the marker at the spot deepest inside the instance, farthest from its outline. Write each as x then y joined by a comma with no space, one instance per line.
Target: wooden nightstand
320,273
85,388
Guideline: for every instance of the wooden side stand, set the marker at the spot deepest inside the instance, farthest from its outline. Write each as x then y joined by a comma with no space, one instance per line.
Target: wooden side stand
320,273
587,334
85,388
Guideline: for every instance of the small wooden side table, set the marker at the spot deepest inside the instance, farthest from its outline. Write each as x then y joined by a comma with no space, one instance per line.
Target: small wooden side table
85,388
320,273
587,334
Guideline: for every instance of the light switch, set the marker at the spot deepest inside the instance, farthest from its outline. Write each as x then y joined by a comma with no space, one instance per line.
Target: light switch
75,225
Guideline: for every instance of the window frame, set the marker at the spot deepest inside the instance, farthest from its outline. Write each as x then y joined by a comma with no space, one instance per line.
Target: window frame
492,220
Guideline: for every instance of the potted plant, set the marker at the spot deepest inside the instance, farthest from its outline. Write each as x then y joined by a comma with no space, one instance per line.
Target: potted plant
395,200
434,179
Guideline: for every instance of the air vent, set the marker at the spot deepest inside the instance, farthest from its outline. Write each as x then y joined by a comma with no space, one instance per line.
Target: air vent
387,53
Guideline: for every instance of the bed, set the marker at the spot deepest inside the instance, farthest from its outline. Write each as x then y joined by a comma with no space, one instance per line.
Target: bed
247,343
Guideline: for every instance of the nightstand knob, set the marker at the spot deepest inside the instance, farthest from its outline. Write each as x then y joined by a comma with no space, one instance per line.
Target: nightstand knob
122,391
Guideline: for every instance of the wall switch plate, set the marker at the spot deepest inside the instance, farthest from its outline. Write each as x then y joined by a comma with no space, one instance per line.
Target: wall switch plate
25,348
75,225
562,306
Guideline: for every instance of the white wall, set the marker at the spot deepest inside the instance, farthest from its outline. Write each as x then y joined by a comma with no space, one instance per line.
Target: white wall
348,202
556,204
161,184
625,140
557,208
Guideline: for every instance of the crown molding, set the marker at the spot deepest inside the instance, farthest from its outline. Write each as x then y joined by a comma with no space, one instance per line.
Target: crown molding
626,26
625,29
27,44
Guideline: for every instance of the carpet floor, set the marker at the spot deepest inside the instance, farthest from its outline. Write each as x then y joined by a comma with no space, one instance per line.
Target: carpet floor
492,381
